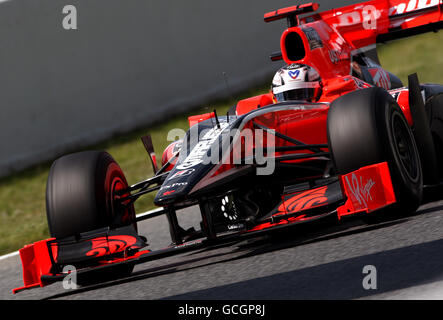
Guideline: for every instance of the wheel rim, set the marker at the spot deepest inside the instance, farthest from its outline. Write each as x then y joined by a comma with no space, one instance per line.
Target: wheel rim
404,147
116,186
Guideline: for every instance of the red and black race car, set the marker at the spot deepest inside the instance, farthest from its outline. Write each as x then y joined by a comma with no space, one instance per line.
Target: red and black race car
337,136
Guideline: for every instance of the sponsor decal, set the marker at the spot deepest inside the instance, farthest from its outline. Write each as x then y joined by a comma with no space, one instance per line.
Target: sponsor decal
182,173
112,244
361,84
412,5
361,191
304,200
176,184
188,244
236,226
199,152
197,155
334,55
369,15
294,74
313,38
380,77
293,66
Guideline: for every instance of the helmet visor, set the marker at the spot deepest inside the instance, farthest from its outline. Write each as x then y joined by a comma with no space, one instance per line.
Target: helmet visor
296,91
305,94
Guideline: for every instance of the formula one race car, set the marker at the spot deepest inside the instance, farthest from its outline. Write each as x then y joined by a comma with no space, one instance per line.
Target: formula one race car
336,136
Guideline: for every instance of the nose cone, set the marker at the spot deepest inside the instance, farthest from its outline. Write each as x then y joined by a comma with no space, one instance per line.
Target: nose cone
179,184
174,188
199,153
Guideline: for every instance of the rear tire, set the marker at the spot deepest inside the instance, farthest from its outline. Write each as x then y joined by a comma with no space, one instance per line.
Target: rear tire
367,127
434,110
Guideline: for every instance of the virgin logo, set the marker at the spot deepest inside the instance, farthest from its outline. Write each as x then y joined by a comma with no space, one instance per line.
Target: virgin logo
109,245
361,191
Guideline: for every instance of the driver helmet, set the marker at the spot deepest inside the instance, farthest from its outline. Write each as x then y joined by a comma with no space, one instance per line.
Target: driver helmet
296,82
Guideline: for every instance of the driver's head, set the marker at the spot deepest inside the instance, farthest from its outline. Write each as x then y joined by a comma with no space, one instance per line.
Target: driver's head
296,82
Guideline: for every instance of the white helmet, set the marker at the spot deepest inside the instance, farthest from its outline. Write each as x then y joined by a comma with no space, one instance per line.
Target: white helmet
296,82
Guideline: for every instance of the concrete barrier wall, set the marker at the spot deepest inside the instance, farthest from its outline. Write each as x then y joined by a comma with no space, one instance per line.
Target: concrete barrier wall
130,63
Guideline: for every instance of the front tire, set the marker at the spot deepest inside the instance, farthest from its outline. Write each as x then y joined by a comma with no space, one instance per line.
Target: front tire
81,193
367,127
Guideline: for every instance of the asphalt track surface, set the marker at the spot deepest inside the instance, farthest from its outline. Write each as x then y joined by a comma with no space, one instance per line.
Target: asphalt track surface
321,262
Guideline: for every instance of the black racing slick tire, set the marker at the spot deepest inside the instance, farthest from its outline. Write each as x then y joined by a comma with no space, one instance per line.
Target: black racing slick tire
434,110
367,127
81,192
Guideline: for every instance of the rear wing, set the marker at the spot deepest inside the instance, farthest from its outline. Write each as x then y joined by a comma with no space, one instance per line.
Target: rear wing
291,13
370,22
